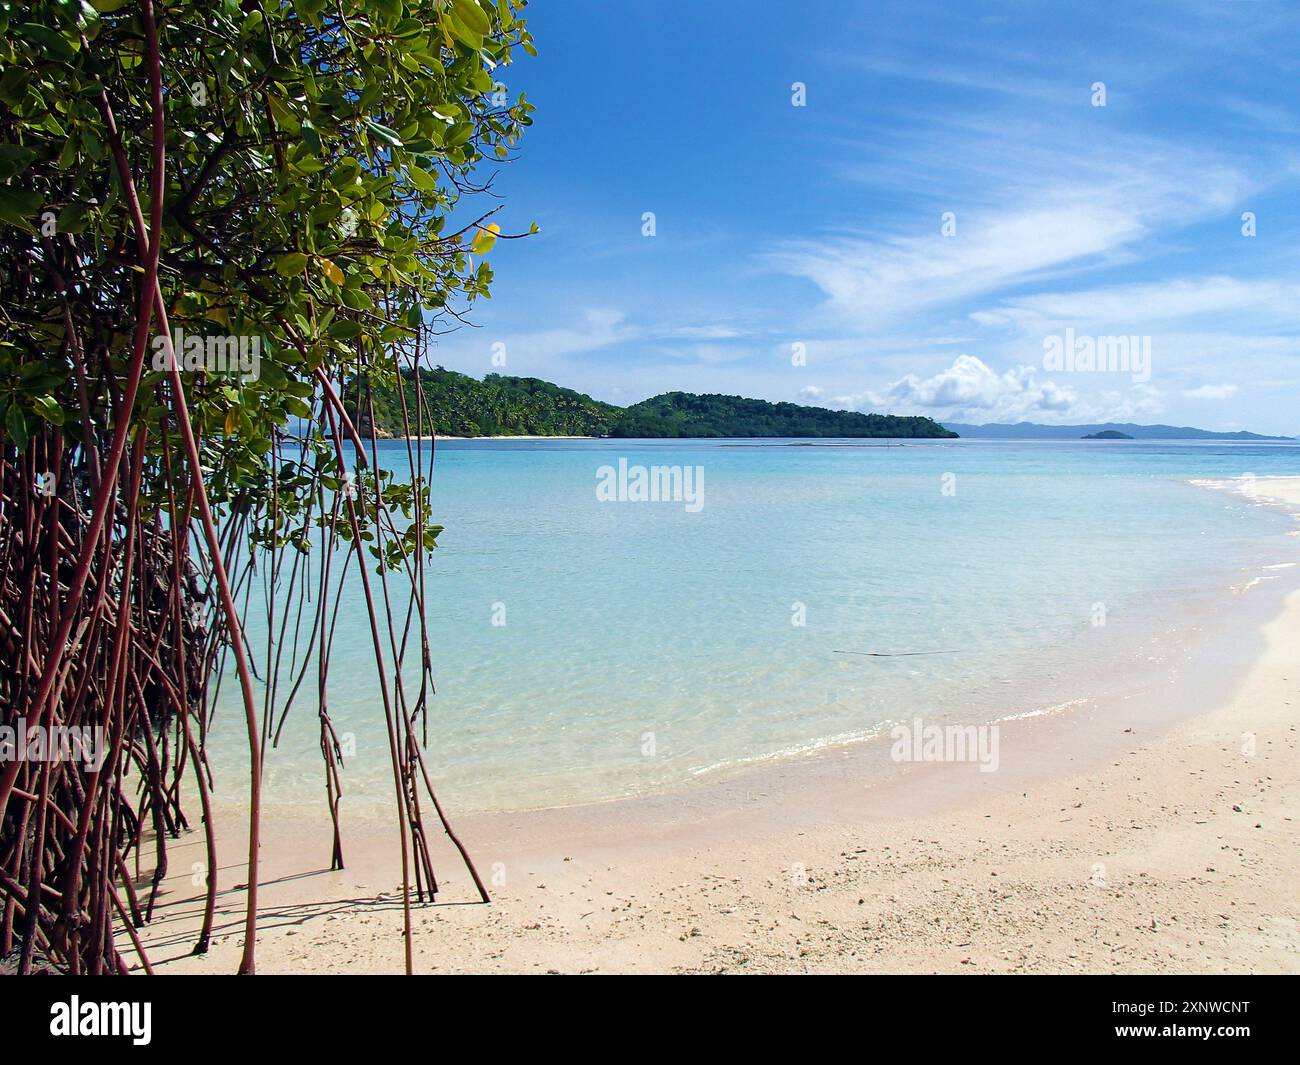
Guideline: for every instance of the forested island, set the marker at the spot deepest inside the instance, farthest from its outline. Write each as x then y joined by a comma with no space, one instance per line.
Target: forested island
456,404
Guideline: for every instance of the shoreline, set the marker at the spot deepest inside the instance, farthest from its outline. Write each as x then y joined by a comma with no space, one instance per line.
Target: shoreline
1108,842
441,436
926,439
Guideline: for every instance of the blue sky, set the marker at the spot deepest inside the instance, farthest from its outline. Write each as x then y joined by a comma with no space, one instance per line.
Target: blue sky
821,225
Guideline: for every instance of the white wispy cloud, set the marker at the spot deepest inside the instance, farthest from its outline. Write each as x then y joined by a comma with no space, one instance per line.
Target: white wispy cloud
594,329
706,332
1047,228
1212,392
1144,307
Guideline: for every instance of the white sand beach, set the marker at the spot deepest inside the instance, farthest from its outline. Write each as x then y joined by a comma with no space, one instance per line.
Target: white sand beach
1105,845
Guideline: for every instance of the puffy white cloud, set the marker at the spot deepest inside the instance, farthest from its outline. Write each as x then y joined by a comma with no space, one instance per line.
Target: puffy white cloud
971,385
971,391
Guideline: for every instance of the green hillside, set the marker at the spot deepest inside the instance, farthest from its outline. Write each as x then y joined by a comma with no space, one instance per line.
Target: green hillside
459,405
686,414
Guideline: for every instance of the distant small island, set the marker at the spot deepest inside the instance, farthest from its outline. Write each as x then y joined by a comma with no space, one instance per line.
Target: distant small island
1107,434
456,404
1035,431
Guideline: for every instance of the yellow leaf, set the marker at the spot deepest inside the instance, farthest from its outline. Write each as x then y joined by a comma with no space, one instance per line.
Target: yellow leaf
484,239
219,315
332,271
232,421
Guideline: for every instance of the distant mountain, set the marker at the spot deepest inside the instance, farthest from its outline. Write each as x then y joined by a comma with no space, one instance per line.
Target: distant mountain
1108,434
1033,431
455,404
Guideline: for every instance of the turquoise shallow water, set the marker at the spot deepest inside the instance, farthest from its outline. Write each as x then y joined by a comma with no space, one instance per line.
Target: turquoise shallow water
645,646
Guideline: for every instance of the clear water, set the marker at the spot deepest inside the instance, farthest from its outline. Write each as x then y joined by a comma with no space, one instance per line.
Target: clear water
645,646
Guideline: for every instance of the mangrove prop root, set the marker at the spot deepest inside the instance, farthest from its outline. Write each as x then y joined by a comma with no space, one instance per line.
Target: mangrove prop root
126,585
